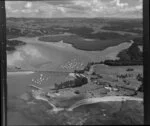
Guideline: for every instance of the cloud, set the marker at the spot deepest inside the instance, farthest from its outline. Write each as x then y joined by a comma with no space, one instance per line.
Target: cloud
28,5
24,53
119,4
13,58
74,8
29,50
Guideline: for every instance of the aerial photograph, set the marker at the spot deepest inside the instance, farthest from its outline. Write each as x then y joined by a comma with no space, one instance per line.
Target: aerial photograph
74,62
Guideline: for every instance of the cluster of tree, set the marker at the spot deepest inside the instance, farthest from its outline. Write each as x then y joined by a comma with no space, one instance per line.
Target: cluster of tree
124,76
13,32
116,28
130,69
15,43
127,26
52,30
81,31
140,77
141,88
86,32
79,71
133,53
138,40
106,35
126,82
77,82
122,63
87,67
11,44
77,92
79,26
29,32
130,56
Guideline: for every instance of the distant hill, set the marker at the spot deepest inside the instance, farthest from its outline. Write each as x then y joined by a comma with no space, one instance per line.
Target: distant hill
30,27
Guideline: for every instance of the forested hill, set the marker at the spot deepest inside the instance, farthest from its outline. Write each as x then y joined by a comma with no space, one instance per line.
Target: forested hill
131,56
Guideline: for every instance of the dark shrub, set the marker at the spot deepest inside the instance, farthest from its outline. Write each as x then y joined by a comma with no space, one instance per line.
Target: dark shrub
79,81
77,92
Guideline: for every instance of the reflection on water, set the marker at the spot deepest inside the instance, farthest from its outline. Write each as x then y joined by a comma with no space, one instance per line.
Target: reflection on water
37,56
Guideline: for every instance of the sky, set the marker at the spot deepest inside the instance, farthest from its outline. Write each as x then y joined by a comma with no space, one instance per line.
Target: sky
75,8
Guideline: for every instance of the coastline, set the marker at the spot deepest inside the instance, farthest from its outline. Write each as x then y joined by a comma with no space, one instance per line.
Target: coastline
20,72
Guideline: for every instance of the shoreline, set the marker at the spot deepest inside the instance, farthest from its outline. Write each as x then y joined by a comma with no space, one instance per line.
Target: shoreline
86,56
64,45
20,72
